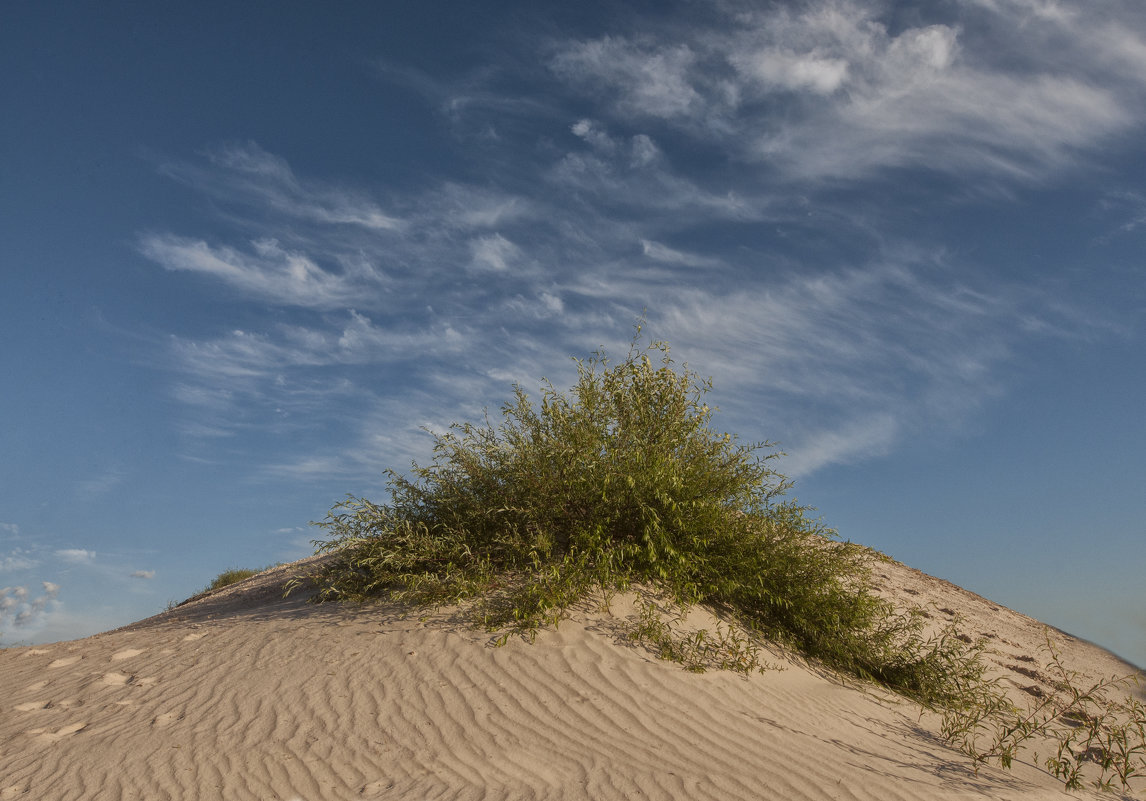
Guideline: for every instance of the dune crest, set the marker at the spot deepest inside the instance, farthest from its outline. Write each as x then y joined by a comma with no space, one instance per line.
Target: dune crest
244,695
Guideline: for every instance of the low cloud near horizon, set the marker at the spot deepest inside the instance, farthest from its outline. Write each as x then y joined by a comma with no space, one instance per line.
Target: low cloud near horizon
21,609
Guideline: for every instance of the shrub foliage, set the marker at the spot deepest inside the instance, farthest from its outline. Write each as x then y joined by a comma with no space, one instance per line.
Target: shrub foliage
623,481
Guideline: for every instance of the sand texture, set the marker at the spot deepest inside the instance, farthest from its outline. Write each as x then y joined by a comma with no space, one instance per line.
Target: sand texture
245,695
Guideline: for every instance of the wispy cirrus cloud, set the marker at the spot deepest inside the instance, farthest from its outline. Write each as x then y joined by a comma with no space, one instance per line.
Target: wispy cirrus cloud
346,339
292,378
879,349
844,364
494,252
837,90
663,253
704,169
267,270
247,173
854,440
646,77
634,177
1127,209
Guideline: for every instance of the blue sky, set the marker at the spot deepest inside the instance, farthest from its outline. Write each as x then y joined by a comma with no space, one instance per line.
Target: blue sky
248,251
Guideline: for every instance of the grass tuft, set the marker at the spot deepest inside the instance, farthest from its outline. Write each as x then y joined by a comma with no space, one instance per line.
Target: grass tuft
228,577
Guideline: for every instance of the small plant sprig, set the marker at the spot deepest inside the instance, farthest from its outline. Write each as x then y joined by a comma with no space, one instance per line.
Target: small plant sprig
1086,723
729,648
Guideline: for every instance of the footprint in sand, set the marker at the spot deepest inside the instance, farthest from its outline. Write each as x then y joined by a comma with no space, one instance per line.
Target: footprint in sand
35,688
376,787
196,636
67,660
36,651
115,679
59,734
32,706
127,653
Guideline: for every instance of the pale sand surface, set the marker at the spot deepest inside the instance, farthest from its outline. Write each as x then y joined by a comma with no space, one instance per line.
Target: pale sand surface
244,695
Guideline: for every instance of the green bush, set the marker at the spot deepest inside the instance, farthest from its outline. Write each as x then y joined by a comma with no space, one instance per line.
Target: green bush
622,481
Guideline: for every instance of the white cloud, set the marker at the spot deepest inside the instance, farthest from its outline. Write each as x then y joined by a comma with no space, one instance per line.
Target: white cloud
18,559
306,468
143,574
1128,210
494,252
644,151
917,99
843,364
854,440
76,556
455,206
783,69
248,172
648,79
389,434
20,609
57,622
642,183
362,341
294,375
663,253
594,135
545,304
270,271
753,116
552,302
829,89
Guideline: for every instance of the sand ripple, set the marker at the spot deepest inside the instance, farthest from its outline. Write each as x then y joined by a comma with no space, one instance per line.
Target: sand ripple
322,704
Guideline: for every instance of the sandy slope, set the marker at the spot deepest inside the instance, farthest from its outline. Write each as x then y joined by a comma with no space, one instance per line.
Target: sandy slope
242,695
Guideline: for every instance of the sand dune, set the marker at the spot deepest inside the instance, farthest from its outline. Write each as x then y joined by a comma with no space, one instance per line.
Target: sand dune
245,695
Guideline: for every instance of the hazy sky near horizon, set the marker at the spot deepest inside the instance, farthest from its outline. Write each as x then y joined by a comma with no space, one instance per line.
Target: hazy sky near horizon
247,251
